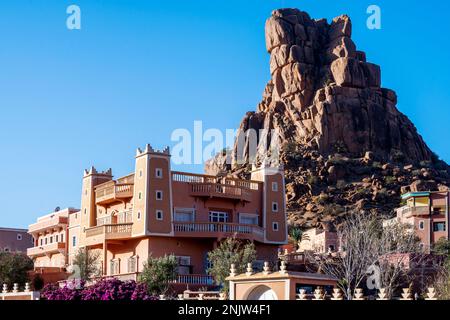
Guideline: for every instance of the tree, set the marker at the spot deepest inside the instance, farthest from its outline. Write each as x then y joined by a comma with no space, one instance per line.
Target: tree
86,264
158,273
357,234
230,251
14,268
399,252
442,248
295,234
442,280
382,255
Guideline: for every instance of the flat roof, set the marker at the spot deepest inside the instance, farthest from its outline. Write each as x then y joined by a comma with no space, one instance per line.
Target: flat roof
14,230
415,194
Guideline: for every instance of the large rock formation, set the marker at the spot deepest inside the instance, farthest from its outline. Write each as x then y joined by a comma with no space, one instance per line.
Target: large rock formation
335,122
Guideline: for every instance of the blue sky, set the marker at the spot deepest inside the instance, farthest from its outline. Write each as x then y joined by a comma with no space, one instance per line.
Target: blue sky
137,70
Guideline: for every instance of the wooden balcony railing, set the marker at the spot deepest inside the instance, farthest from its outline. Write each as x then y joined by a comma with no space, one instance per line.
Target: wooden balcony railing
111,191
220,191
212,229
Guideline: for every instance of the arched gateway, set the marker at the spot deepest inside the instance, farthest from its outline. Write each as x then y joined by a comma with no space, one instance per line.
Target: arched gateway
262,293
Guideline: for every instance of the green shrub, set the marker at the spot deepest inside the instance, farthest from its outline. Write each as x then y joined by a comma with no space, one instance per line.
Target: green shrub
230,251
14,268
158,273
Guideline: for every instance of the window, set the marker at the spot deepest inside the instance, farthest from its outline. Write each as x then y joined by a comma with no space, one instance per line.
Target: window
140,173
42,242
132,262
159,215
439,226
139,215
274,206
217,216
62,237
56,238
275,226
140,195
158,173
421,225
6,249
159,195
46,240
85,210
275,186
114,266
184,215
19,237
248,218
184,264
51,239
74,241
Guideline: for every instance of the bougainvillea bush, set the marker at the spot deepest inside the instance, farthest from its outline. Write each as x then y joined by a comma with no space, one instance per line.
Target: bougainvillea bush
104,290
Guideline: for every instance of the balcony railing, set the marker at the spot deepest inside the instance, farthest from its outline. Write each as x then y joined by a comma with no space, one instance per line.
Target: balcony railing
192,177
220,191
201,178
122,217
247,184
294,257
415,211
108,232
193,279
57,247
213,230
199,279
112,191
54,222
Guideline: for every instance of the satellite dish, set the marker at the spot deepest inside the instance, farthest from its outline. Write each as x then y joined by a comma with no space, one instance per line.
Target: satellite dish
57,209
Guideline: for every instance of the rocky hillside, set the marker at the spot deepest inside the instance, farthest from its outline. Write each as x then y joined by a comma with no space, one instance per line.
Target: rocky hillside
344,144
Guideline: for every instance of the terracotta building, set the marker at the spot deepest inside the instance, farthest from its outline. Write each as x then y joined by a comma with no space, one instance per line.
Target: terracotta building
155,211
50,234
319,241
14,240
428,213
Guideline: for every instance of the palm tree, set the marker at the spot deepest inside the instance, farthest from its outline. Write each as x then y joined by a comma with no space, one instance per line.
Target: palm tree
295,233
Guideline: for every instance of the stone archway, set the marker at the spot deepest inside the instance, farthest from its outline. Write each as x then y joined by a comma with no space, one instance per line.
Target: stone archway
262,292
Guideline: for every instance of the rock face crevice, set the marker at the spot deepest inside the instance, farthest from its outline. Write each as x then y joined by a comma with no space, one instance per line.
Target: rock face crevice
324,98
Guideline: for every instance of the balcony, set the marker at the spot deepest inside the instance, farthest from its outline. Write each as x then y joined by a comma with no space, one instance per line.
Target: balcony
218,230
415,211
182,279
99,234
113,191
53,222
57,247
215,190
